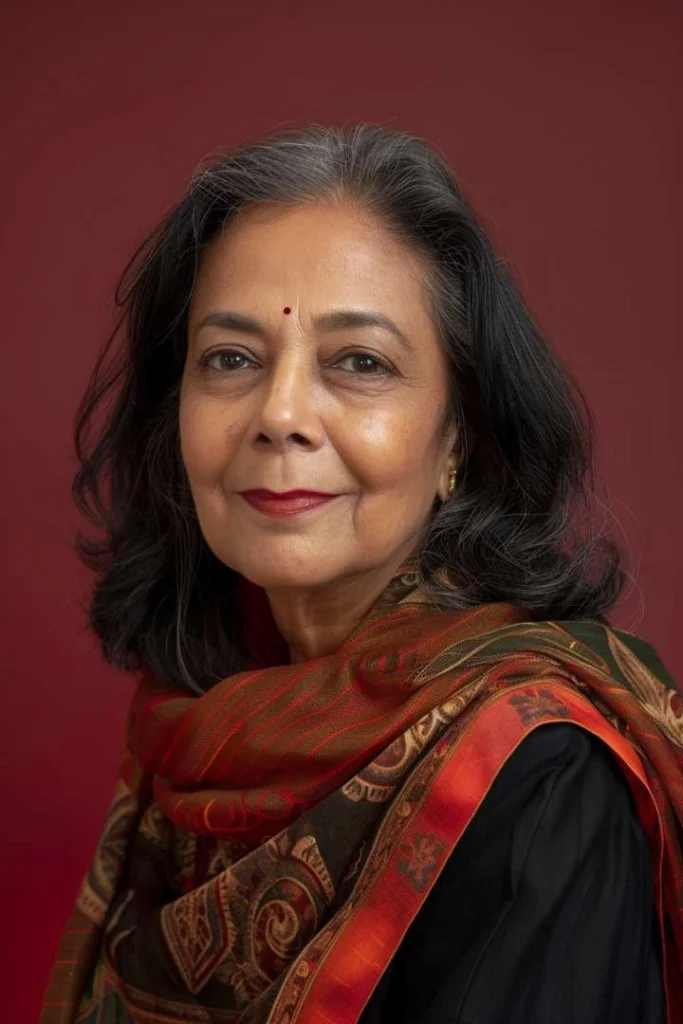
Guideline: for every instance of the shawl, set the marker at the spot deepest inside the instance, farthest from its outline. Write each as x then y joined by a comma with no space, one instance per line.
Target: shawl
270,841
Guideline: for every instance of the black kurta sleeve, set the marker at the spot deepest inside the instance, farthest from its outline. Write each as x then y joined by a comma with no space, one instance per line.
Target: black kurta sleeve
544,912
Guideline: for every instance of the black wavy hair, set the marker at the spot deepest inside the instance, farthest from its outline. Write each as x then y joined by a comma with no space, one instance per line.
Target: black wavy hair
519,526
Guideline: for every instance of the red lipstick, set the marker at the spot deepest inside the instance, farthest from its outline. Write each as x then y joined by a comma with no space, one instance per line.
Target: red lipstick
287,503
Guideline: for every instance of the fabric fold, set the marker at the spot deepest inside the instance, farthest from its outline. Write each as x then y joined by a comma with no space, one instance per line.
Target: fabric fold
264,831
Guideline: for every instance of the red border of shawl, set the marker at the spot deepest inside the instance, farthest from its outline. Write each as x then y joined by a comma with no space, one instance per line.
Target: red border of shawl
336,984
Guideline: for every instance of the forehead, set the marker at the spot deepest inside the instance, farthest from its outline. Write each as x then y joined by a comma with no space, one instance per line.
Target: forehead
320,254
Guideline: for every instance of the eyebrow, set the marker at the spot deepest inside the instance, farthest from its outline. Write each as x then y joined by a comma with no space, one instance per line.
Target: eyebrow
338,320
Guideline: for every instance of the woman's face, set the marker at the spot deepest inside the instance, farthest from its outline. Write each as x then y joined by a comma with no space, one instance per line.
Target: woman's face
278,395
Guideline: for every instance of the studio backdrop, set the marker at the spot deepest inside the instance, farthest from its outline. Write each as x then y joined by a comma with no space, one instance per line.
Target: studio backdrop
560,121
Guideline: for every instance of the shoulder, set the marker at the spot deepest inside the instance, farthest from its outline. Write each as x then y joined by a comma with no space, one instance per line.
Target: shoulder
556,808
556,744
550,881
562,786
564,754
562,802
559,807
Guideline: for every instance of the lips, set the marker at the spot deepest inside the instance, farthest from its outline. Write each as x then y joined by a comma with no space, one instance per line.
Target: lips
286,504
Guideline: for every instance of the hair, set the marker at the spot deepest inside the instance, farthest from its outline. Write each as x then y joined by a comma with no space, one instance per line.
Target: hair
519,526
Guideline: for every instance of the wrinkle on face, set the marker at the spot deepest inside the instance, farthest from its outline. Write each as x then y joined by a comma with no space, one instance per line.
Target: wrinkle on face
291,417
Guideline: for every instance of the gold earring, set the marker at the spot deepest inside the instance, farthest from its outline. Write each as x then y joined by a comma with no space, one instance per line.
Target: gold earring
451,481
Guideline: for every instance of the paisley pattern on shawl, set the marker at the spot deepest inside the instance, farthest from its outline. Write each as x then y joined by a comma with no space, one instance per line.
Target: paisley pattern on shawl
257,829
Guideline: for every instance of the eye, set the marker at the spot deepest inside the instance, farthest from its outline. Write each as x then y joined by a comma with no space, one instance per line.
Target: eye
381,367
228,357
230,360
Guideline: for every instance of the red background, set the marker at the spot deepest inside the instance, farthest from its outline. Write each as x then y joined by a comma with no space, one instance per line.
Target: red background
561,123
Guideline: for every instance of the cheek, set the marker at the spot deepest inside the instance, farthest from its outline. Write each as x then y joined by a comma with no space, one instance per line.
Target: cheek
390,449
205,441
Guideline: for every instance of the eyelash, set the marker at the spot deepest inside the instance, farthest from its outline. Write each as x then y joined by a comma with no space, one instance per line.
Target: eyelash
204,362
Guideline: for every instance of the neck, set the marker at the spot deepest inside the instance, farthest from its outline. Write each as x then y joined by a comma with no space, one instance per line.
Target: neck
315,621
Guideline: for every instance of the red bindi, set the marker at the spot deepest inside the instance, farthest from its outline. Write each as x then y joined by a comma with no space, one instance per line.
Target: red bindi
286,310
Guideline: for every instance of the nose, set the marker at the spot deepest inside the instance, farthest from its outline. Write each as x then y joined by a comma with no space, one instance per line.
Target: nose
288,406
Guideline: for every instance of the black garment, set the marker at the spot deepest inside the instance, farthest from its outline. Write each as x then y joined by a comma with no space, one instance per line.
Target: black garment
544,913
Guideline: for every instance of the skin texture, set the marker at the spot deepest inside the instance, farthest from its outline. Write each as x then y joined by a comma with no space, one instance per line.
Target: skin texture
298,406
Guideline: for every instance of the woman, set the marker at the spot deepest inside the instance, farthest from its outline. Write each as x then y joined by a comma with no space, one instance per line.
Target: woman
386,760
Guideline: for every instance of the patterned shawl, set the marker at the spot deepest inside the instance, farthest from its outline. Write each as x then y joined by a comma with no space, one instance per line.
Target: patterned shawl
270,841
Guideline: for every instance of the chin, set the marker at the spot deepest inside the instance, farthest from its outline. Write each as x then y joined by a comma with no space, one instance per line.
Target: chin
272,574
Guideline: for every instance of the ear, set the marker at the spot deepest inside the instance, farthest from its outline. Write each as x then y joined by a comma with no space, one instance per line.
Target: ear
452,461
